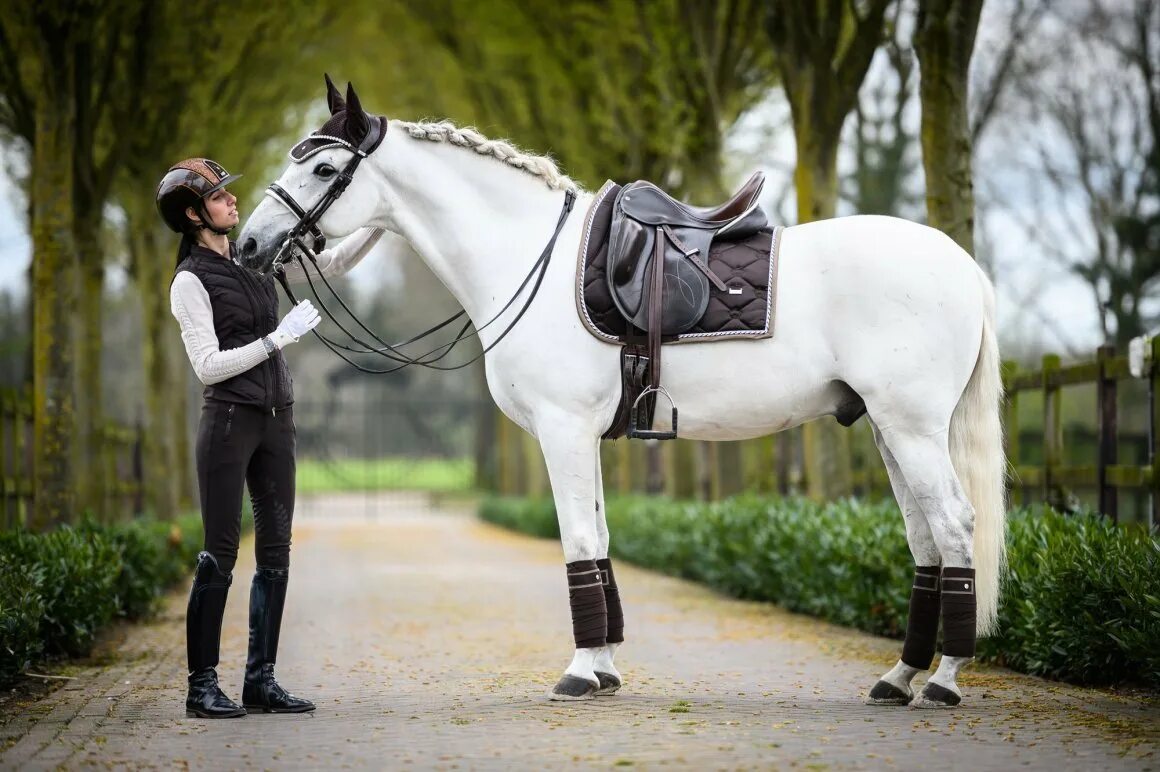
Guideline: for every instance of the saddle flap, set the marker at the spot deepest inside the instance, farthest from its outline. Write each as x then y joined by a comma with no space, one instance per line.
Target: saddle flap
632,247
630,244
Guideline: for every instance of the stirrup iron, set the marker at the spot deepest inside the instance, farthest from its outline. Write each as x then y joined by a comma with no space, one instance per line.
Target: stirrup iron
638,432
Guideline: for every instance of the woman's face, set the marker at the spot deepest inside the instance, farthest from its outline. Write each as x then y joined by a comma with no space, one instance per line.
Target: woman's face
221,206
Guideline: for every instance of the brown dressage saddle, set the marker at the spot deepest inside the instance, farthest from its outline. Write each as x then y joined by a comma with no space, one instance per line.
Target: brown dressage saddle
659,276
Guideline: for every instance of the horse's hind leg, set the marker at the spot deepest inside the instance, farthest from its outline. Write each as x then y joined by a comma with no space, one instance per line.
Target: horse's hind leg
925,461
571,455
606,672
893,688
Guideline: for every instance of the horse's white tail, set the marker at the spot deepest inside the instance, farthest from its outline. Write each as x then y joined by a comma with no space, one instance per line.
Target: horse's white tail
976,444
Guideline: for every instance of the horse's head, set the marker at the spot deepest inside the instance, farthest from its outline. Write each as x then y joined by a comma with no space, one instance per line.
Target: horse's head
300,208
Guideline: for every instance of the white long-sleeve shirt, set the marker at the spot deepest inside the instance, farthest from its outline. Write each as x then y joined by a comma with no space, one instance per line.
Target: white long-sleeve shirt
190,304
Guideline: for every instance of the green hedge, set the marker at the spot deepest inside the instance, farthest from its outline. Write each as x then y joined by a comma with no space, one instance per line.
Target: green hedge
1081,597
58,589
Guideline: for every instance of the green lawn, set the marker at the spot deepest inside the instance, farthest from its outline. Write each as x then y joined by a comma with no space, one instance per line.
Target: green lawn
418,474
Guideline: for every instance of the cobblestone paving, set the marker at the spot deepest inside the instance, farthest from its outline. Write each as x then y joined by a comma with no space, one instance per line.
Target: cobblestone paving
428,640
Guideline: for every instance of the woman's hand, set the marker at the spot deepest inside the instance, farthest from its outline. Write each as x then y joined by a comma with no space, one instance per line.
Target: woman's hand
300,320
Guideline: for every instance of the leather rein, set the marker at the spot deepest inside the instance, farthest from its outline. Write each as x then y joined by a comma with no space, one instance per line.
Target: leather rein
295,246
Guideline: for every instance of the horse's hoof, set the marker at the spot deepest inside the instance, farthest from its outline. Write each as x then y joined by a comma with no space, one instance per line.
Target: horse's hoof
934,696
572,688
608,684
885,693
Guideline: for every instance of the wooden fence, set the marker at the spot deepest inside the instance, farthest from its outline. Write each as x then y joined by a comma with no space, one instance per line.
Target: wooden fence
123,461
687,469
1106,476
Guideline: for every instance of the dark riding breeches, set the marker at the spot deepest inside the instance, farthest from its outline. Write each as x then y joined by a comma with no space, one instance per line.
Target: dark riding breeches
239,444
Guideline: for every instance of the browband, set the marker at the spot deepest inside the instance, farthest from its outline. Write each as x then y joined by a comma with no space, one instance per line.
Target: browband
306,148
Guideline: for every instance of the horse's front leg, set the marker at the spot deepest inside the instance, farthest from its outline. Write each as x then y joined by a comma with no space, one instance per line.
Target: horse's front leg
571,455
606,672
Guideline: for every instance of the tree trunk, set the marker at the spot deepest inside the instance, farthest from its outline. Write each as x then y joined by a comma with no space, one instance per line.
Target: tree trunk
682,482
729,473
92,450
655,464
944,39
815,175
823,52
162,434
702,182
827,445
54,291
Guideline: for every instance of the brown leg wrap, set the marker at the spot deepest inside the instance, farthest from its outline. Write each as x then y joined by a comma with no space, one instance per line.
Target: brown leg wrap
922,621
958,612
586,595
612,602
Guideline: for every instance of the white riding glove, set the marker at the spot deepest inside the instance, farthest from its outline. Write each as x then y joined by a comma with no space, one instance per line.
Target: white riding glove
300,320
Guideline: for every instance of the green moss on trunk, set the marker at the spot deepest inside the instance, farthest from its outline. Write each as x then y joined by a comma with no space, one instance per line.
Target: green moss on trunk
943,41
54,290
93,453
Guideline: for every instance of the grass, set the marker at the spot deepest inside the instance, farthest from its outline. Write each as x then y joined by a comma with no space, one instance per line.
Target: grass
437,475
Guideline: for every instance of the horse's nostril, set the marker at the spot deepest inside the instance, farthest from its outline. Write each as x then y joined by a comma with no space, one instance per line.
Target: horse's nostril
249,247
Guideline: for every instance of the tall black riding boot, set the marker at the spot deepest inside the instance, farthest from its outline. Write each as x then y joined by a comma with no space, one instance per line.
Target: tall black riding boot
261,691
203,631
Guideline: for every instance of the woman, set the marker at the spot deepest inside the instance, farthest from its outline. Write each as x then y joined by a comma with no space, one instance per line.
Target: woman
228,319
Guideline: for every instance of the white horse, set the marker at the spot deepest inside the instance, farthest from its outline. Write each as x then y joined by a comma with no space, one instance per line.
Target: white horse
873,308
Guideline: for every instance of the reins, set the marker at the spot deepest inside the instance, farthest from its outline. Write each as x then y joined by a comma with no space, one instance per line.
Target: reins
307,224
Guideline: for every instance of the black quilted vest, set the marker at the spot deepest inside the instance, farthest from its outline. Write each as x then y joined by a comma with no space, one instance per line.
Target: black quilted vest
245,308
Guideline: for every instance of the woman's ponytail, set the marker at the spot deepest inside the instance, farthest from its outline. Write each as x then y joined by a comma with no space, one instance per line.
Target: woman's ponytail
183,250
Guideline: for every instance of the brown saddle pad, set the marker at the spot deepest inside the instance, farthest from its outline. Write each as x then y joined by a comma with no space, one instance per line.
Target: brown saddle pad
748,268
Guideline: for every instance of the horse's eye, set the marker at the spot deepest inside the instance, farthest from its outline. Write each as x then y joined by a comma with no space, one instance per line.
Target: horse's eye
325,171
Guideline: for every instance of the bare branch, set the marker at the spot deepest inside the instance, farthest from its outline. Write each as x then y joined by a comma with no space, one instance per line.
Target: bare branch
17,113
1024,24
850,69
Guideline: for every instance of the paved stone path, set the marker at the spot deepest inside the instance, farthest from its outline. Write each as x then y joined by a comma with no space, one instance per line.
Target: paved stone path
428,639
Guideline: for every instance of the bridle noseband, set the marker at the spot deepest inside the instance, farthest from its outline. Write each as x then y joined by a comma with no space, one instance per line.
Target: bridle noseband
295,246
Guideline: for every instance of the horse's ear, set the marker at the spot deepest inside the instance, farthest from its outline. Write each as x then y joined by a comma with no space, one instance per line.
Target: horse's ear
358,124
352,100
333,99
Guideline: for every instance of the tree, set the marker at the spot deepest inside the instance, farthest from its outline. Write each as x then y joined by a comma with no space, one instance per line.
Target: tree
1005,58
91,56
1080,131
1126,271
13,339
110,91
885,148
649,99
943,40
39,44
823,50
189,106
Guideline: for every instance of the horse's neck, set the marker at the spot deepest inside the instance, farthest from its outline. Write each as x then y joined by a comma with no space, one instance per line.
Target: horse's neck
478,225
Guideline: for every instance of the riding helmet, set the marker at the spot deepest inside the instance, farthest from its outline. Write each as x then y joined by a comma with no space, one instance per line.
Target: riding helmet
185,185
